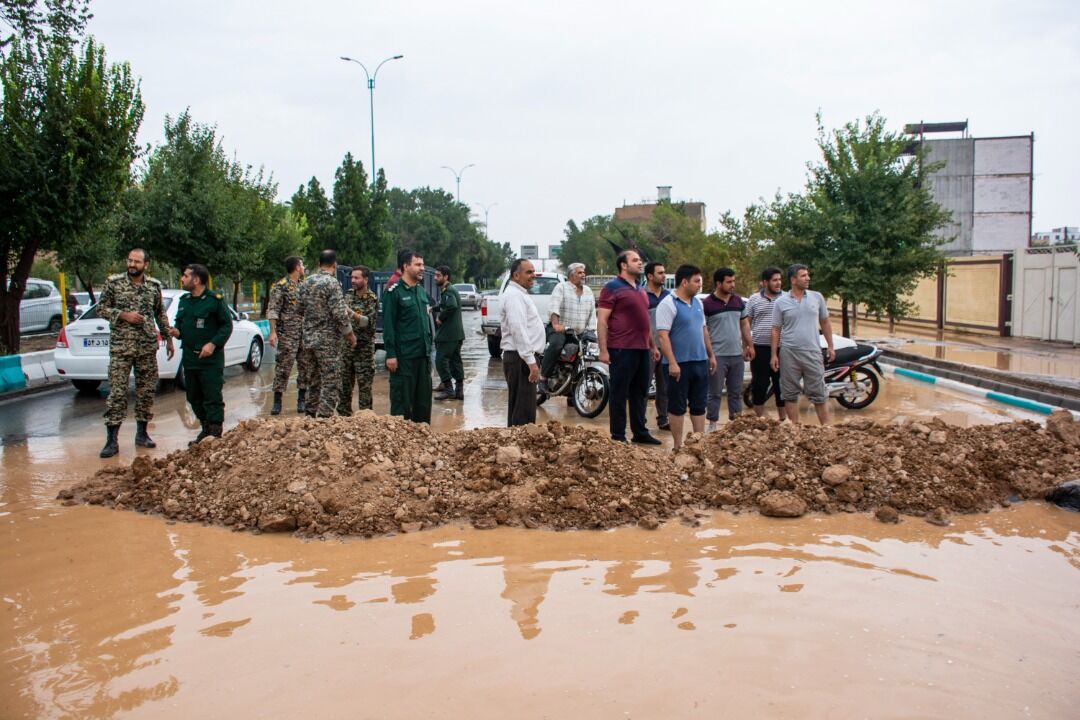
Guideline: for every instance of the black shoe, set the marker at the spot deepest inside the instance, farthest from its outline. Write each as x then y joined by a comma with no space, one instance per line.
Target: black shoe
142,438
445,394
203,434
459,390
665,426
214,429
619,440
646,440
301,397
276,409
112,444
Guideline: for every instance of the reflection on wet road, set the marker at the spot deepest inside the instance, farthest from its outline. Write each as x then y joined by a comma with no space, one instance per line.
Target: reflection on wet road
115,614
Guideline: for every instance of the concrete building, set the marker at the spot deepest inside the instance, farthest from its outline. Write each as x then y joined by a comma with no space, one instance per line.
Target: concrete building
986,185
642,212
1069,235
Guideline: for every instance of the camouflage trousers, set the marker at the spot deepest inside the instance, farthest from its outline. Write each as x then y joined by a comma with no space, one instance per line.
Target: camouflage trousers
357,367
324,380
146,378
288,352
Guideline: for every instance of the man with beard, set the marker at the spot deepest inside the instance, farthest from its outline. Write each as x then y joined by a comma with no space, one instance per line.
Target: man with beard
131,302
203,324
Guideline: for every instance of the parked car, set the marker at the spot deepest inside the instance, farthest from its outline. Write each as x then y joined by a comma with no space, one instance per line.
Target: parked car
82,349
42,308
82,303
469,296
543,285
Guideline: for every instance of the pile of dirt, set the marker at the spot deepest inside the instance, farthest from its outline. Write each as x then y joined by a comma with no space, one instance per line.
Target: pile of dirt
369,475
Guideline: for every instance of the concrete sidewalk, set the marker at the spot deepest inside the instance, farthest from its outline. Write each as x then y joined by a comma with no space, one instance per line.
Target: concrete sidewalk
1044,372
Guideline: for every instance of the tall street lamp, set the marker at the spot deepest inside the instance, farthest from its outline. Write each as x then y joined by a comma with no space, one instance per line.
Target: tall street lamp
457,176
486,209
371,92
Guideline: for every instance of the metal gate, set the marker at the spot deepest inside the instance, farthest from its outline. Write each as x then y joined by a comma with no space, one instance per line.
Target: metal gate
1045,293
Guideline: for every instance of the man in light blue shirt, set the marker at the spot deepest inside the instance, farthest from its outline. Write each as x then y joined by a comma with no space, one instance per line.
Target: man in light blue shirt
796,352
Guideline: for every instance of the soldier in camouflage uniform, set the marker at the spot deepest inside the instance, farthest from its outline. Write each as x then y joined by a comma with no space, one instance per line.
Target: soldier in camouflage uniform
358,363
286,327
132,304
326,321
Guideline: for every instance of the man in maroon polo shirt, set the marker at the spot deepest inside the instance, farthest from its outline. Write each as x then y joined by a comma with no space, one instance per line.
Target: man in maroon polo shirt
622,324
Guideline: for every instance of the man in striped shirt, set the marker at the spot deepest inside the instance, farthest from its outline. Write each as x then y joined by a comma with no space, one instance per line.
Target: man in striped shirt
759,319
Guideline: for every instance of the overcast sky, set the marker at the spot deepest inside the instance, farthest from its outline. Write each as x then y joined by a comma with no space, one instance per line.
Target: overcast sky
570,109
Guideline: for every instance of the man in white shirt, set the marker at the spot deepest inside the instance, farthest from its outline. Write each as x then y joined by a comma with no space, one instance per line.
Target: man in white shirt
573,309
522,343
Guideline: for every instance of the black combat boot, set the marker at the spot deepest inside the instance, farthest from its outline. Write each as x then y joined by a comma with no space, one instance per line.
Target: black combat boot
112,442
276,409
142,438
445,391
214,429
203,433
444,386
301,396
459,390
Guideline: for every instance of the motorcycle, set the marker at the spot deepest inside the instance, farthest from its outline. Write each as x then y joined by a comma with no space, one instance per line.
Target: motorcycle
580,376
849,379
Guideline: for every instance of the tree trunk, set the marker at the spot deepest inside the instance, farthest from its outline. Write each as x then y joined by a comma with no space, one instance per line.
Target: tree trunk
892,323
236,292
266,296
9,299
854,319
845,326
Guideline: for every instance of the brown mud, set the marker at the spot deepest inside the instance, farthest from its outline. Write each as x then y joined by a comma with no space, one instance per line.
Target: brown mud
372,475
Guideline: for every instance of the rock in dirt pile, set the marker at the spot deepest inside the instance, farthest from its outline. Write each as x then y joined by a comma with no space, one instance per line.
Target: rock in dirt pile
369,475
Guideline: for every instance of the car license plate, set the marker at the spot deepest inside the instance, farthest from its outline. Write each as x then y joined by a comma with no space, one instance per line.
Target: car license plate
95,342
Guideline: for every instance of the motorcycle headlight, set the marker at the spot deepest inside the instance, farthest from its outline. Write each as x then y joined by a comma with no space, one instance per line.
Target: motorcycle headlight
591,352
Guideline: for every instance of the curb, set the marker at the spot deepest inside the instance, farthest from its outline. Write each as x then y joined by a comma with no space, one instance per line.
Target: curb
28,370
1013,395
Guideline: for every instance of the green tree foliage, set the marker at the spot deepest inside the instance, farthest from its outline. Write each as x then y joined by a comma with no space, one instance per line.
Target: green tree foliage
359,216
311,203
434,224
866,223
288,236
737,243
595,240
68,122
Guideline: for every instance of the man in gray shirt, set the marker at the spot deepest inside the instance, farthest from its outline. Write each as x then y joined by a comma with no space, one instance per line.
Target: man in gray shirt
724,311
796,352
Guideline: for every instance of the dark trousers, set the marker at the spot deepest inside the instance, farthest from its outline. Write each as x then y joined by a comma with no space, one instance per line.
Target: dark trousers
661,391
555,343
204,392
629,384
410,389
448,361
761,374
521,409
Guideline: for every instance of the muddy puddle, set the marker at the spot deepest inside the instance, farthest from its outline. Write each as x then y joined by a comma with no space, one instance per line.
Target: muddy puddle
110,614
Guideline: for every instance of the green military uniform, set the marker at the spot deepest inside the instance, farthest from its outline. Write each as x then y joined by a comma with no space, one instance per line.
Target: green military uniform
407,338
358,363
132,346
449,337
326,323
283,309
200,320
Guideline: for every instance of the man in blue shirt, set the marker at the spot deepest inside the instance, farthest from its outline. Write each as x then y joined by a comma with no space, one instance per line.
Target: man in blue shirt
688,353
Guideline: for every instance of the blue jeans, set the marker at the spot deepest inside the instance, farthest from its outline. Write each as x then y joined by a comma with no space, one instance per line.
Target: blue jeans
629,383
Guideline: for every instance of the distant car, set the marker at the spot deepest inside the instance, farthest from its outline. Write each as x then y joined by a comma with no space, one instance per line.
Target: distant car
82,302
469,296
82,350
42,308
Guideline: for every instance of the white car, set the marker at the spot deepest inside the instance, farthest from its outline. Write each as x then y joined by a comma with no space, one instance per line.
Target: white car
42,308
82,349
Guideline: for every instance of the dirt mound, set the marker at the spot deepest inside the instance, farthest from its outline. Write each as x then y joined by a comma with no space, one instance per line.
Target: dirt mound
368,474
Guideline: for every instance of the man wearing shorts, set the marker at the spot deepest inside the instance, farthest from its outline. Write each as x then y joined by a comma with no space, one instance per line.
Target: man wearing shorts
688,354
796,352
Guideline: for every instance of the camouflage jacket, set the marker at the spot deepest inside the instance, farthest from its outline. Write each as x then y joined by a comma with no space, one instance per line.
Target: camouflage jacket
367,305
284,307
326,320
121,295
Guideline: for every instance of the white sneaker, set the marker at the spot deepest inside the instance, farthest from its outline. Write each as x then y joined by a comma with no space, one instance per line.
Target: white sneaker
711,427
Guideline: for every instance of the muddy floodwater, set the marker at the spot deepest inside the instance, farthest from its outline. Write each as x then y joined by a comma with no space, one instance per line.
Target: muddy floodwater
117,614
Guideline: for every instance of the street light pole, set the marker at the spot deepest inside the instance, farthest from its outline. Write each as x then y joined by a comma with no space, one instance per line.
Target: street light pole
371,94
457,176
486,209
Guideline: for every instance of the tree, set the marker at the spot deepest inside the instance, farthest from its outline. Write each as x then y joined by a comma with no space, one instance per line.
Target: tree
68,123
360,213
311,203
866,223
594,241
737,243
289,236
